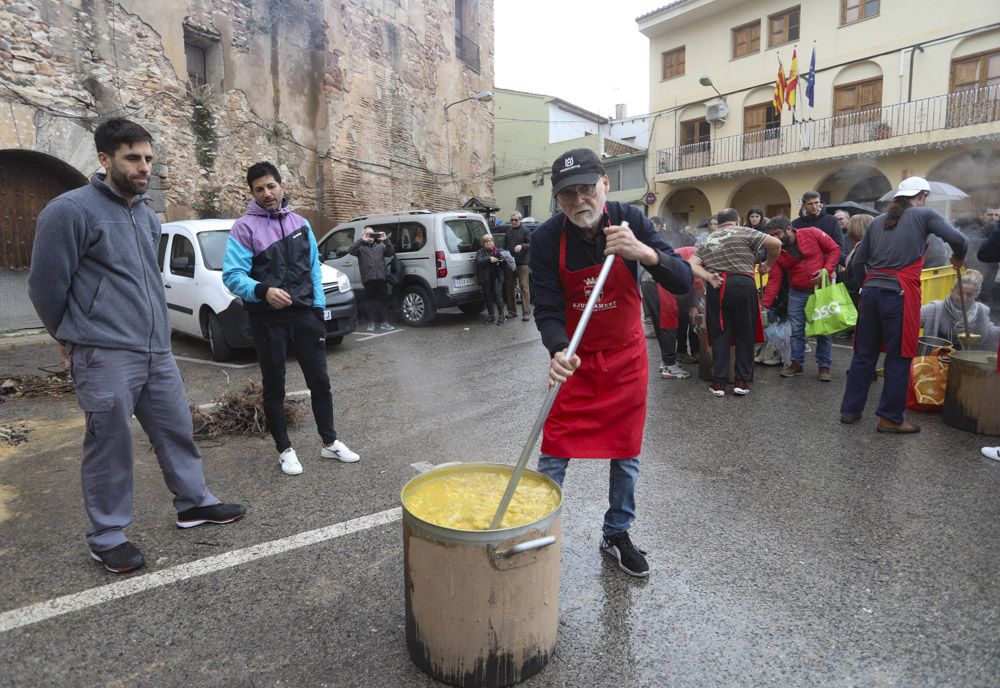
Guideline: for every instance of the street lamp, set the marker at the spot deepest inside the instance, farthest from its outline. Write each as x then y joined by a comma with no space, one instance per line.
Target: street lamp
482,96
705,80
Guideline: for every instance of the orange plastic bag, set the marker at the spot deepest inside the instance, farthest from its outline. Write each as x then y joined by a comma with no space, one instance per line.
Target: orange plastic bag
928,380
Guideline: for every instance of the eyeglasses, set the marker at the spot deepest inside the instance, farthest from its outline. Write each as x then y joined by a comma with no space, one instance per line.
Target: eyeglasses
584,191
515,219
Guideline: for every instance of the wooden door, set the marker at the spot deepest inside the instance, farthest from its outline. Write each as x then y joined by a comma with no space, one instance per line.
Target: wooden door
27,184
761,131
857,108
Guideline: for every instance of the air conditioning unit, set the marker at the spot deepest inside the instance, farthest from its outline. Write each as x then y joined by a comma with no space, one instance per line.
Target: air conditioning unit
717,113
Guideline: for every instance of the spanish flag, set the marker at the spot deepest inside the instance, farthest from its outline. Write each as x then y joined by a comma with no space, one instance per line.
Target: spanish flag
793,82
779,89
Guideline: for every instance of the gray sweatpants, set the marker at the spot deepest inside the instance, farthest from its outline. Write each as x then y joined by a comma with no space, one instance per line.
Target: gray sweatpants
111,385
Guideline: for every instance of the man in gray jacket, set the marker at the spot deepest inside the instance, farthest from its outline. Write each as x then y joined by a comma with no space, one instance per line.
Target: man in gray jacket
96,286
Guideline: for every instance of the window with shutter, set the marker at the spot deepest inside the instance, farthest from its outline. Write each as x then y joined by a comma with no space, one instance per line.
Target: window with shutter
975,89
857,109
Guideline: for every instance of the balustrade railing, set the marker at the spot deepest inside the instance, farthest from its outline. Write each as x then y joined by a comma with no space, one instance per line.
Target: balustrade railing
975,106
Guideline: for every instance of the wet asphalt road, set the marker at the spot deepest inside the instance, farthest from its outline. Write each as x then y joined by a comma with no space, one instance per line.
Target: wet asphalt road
786,549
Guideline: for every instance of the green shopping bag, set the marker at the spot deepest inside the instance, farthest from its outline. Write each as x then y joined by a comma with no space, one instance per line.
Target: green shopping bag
829,310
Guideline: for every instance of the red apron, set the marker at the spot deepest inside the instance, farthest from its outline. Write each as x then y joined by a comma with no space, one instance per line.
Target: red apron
669,308
909,282
669,311
600,411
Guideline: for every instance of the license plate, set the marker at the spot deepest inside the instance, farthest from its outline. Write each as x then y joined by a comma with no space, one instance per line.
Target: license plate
464,281
327,315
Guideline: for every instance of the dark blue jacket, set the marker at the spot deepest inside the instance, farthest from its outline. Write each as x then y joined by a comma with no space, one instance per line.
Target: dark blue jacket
829,224
673,272
989,252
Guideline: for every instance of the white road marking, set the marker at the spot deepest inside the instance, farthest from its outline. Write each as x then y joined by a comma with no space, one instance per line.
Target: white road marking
365,336
18,618
214,363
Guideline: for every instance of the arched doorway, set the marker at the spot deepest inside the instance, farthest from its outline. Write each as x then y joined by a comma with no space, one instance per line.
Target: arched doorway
685,207
859,183
28,180
762,192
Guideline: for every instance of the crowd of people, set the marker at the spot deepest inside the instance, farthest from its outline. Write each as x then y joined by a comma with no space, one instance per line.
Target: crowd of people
87,285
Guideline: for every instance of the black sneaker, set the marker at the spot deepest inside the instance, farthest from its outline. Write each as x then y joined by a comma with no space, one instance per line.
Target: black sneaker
629,557
121,559
217,513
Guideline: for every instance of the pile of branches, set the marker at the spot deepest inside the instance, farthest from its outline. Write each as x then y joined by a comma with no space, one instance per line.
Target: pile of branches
239,413
14,434
51,385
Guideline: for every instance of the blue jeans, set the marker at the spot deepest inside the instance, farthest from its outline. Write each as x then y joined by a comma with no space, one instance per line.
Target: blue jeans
797,317
621,489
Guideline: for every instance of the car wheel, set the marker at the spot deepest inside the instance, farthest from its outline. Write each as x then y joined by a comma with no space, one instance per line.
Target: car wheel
416,307
472,308
221,351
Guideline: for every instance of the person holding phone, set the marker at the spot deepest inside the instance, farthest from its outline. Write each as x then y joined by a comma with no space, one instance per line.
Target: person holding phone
371,249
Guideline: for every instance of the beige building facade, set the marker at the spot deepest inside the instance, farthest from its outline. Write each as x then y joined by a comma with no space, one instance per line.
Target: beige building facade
533,129
347,98
900,89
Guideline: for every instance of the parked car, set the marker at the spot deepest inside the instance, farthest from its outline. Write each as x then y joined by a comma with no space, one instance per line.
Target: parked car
438,253
190,259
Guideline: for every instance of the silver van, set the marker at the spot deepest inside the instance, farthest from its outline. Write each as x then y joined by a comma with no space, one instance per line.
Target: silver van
437,250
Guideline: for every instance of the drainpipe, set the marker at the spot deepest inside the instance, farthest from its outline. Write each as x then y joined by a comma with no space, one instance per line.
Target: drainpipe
913,53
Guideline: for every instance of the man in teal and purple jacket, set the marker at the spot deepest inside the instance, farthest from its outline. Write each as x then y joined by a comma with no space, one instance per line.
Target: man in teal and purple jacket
271,263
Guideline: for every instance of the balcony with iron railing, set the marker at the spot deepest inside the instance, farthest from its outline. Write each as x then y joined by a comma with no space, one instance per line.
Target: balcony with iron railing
764,148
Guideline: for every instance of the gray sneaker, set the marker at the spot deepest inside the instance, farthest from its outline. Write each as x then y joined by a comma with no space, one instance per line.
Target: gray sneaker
371,327
673,372
386,326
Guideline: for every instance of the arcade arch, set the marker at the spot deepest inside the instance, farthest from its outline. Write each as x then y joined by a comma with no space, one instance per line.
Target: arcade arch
764,192
859,183
685,207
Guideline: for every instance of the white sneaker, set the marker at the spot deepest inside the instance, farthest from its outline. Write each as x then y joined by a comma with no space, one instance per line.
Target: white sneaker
991,453
674,372
386,326
290,462
338,450
371,327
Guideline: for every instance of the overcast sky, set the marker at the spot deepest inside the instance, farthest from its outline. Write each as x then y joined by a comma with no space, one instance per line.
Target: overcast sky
587,52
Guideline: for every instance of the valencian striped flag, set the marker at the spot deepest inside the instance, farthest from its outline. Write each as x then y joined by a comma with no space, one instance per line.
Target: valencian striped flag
779,89
793,82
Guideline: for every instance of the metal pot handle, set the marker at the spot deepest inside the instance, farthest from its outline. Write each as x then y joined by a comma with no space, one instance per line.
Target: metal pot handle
526,546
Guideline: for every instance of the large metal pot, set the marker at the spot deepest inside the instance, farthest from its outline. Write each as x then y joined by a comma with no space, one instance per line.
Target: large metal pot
972,398
482,607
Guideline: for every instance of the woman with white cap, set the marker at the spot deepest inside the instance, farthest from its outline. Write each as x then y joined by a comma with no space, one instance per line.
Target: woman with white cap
887,262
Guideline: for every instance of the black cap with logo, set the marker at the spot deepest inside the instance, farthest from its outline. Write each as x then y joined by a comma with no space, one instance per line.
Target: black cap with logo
578,166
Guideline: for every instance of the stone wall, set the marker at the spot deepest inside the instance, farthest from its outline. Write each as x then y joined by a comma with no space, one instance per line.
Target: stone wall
346,97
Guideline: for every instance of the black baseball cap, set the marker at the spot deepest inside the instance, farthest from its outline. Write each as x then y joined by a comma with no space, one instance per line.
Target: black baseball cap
577,166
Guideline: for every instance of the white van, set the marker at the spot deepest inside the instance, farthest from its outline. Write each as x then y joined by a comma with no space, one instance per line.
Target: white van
437,250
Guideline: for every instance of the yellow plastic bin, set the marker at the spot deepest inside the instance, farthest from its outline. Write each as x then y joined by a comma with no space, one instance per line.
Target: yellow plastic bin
936,283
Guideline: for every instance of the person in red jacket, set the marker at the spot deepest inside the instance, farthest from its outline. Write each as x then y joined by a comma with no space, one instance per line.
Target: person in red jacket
804,253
